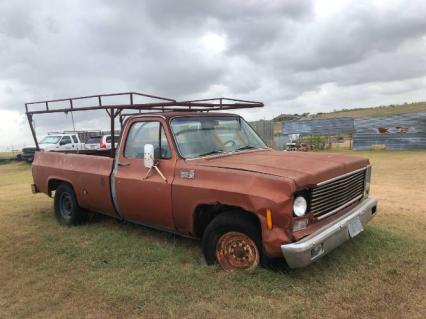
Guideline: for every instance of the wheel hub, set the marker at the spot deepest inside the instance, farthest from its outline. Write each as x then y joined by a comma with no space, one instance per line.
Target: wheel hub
236,250
66,205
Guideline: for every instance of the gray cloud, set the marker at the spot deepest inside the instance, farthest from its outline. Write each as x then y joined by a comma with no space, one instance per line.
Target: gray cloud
297,56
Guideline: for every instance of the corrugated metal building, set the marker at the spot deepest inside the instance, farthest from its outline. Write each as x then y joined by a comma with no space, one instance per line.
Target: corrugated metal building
396,132
265,130
336,126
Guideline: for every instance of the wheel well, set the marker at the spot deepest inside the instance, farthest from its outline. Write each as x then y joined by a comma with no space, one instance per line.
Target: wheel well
54,184
204,215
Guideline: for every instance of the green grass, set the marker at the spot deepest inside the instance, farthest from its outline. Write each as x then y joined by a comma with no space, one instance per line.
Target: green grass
373,111
15,173
7,157
107,268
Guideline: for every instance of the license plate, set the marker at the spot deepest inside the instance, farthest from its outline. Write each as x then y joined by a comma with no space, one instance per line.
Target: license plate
355,227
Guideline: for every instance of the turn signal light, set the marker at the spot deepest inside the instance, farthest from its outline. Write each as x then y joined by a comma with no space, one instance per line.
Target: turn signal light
268,218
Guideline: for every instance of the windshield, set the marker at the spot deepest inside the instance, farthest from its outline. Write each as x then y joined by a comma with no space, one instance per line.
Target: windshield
50,139
206,135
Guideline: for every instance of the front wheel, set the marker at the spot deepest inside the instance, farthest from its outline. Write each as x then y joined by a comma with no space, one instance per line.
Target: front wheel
234,242
67,210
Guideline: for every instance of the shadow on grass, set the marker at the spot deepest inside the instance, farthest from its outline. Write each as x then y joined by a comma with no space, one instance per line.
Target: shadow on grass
106,243
371,247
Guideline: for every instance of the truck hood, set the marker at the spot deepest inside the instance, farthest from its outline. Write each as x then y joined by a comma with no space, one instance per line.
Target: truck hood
304,168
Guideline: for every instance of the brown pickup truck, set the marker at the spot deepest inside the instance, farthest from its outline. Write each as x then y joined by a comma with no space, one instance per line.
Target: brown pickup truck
208,175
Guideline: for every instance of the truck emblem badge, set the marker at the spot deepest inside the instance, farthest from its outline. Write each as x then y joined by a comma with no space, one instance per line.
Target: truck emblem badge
188,174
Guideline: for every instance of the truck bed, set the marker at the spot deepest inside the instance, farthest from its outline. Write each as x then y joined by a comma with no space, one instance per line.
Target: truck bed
89,175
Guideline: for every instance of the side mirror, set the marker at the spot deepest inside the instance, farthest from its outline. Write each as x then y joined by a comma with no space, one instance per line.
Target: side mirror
148,158
62,142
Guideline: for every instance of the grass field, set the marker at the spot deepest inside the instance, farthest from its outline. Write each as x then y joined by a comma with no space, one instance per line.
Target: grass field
7,156
108,269
374,111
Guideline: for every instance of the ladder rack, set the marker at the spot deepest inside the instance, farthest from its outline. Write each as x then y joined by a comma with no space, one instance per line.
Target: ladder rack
156,103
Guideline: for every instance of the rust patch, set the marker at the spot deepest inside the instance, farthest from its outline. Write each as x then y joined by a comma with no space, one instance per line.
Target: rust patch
396,129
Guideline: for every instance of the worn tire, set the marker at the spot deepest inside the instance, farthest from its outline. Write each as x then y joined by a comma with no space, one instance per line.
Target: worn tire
231,224
67,210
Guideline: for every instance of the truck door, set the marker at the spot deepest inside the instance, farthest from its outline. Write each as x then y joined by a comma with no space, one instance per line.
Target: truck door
65,143
76,142
140,196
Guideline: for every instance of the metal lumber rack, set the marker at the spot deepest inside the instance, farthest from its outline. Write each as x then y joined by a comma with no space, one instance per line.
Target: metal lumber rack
157,103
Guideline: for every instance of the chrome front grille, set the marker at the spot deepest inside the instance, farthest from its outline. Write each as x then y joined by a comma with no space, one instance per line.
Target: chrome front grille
331,196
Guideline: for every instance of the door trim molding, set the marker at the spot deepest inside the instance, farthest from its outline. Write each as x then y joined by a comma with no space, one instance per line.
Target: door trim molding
113,185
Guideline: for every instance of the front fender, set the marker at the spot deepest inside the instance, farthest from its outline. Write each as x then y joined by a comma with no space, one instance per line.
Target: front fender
252,192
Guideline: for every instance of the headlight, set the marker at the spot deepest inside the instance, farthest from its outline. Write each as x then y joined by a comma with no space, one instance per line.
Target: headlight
300,206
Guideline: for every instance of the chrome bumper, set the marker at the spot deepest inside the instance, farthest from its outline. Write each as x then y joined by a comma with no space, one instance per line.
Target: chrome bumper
307,250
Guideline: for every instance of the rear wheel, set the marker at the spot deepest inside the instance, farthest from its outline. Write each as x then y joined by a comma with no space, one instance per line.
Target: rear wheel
67,210
234,242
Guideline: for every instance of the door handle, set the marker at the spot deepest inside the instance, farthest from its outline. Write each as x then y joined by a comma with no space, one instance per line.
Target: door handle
123,164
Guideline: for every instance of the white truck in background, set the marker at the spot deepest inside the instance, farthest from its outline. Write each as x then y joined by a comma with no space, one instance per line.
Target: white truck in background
61,142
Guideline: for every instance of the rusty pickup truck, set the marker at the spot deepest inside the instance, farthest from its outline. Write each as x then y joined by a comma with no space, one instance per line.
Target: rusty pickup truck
208,175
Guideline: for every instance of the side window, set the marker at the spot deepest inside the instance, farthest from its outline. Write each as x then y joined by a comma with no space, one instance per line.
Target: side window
166,153
74,138
142,133
66,140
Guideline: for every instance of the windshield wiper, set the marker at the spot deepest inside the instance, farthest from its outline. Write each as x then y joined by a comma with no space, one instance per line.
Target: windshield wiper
211,153
247,147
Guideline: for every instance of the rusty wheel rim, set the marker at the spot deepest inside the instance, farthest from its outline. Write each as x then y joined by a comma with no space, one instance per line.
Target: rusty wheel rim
66,206
236,250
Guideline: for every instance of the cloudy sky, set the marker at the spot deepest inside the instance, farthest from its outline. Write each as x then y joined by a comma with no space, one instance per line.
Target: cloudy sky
296,56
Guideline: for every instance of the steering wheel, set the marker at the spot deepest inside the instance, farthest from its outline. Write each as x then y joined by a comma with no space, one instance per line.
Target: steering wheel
231,143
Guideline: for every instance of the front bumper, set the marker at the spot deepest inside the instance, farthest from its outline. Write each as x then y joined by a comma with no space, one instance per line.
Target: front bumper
27,157
307,250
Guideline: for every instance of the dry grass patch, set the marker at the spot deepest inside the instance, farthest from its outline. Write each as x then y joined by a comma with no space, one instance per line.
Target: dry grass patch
374,111
111,269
